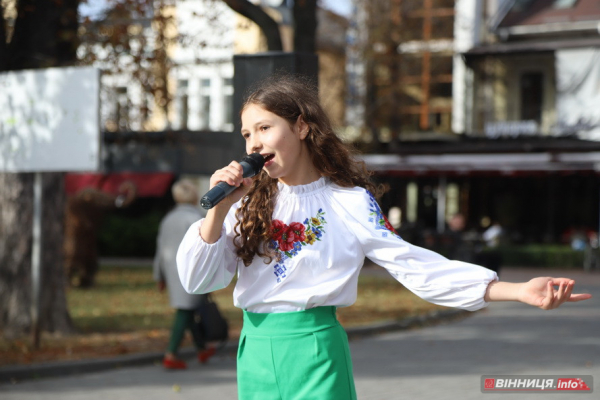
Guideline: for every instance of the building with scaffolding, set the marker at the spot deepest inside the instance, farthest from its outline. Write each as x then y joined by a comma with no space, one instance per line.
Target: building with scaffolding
489,109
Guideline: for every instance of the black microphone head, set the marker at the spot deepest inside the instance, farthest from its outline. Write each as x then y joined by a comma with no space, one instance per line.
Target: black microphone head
256,161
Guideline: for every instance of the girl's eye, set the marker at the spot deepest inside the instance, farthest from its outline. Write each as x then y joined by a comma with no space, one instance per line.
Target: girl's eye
264,128
246,135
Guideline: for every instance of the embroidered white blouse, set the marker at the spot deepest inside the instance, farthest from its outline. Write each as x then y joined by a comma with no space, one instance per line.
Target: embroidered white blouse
322,232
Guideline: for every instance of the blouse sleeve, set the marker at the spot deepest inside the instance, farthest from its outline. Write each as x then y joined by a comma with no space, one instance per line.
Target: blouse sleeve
205,267
427,274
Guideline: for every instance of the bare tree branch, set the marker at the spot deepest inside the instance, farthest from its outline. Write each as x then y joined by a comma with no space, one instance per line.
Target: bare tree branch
269,27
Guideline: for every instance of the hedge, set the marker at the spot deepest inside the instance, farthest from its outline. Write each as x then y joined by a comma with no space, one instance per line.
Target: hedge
540,255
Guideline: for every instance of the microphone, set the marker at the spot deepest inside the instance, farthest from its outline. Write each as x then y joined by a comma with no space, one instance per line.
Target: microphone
251,165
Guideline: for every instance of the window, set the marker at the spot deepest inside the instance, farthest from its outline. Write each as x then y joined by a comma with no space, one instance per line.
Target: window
442,27
205,104
183,103
532,95
412,201
121,116
228,101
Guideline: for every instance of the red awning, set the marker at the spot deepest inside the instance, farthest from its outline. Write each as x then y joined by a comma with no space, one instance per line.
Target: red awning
148,185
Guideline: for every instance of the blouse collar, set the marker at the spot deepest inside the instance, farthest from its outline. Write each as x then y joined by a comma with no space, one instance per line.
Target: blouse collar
302,190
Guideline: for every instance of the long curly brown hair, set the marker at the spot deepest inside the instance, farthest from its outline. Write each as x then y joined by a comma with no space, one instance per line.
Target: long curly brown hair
289,97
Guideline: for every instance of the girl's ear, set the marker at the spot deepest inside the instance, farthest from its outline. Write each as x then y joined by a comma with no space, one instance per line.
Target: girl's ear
302,127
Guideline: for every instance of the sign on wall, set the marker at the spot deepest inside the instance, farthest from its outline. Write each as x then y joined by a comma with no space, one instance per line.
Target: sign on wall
49,120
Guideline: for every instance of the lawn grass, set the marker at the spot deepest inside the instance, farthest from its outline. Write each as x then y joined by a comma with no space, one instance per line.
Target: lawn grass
123,299
126,299
125,313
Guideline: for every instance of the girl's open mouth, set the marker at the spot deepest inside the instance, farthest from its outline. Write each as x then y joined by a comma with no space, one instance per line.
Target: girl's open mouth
269,158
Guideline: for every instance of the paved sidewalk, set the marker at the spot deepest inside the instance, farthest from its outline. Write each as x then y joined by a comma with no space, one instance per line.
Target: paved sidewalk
447,361
438,362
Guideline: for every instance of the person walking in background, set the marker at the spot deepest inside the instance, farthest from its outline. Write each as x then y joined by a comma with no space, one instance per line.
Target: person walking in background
491,257
493,235
296,236
453,242
84,214
171,231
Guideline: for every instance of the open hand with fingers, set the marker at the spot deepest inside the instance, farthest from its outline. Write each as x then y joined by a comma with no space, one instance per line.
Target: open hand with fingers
548,293
543,292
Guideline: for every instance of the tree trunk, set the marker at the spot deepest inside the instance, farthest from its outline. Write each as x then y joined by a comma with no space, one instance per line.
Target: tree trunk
15,252
54,315
16,202
45,35
305,25
3,47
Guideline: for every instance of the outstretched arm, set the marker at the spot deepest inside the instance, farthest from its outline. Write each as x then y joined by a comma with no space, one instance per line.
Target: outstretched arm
538,292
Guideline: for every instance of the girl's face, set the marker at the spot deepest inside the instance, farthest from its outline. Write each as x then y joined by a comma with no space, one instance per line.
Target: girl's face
286,154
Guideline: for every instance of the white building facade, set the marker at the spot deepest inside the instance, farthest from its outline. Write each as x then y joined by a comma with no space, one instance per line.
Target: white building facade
527,68
199,52
203,67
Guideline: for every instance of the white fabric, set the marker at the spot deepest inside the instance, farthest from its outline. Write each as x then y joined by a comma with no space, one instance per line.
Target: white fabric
578,92
324,270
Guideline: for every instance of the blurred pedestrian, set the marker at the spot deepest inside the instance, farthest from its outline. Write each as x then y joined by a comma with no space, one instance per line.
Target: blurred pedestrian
171,231
456,223
490,257
492,235
453,243
84,215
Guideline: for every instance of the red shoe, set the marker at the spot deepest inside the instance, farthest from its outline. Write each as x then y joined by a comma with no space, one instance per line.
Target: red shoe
204,355
174,364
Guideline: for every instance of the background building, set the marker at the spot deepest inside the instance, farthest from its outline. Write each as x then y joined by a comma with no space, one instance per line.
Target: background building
536,70
487,108
168,100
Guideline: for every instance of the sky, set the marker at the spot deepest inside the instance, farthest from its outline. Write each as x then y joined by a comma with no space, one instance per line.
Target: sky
91,7
342,7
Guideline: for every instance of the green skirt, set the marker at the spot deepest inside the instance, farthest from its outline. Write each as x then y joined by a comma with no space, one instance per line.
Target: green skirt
294,356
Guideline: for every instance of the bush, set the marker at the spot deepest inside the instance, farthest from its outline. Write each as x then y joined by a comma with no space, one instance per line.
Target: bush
540,255
129,235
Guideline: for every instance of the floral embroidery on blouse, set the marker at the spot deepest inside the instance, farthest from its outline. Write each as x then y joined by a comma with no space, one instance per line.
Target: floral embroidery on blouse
288,240
378,218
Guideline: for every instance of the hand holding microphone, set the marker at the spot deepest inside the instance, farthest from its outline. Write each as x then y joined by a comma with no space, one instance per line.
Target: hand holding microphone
251,165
